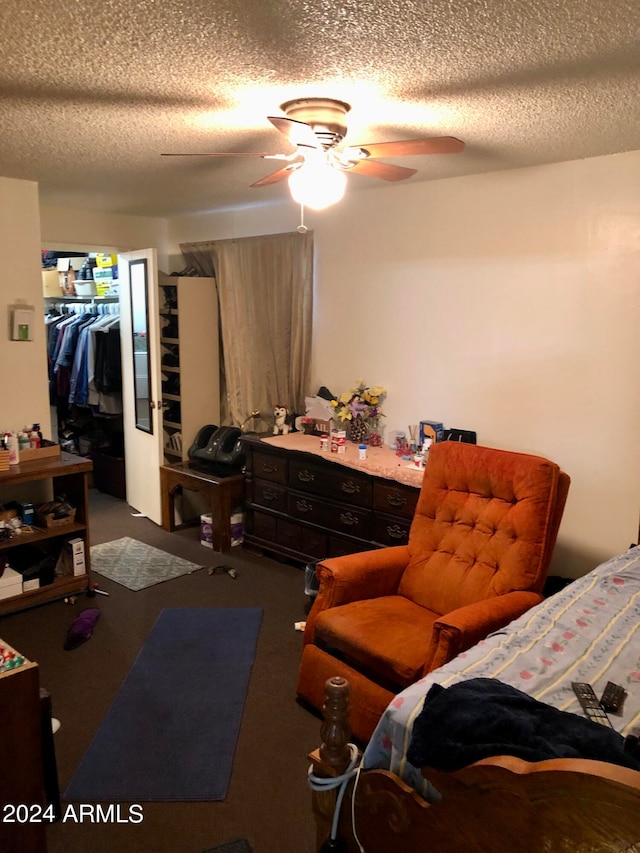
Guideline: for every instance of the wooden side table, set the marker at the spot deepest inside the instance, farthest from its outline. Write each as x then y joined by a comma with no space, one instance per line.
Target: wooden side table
223,494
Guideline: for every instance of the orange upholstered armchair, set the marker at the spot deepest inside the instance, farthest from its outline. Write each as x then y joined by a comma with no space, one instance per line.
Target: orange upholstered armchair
479,548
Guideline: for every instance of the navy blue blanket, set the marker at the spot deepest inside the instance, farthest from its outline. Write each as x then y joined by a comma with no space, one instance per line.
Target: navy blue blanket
481,717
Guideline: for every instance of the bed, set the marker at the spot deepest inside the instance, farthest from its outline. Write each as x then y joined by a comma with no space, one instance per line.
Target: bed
587,632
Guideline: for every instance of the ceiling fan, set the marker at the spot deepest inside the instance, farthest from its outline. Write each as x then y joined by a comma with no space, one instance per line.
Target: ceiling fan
317,128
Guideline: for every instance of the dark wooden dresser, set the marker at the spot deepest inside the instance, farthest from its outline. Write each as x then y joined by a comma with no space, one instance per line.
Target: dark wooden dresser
307,506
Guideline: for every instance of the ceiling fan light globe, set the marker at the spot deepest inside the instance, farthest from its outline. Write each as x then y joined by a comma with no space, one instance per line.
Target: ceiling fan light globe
317,185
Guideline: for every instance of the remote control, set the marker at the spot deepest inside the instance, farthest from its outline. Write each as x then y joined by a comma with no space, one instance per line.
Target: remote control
613,697
590,704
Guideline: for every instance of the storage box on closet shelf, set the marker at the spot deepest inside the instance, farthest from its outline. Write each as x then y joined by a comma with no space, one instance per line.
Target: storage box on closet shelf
105,280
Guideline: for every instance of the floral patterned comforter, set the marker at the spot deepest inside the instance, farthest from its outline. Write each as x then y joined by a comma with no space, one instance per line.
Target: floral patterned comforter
590,631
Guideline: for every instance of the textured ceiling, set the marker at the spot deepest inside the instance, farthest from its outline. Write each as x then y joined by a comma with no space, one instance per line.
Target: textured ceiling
93,92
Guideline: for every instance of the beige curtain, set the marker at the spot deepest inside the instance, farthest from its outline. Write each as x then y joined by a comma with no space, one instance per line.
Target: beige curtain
265,293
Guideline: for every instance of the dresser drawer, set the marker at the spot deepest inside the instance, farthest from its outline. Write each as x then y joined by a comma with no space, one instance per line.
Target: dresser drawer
395,498
305,540
339,546
269,466
288,535
262,526
338,517
284,535
340,484
391,530
269,495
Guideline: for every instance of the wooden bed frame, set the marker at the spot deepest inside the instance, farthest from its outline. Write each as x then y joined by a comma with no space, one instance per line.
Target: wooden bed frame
497,805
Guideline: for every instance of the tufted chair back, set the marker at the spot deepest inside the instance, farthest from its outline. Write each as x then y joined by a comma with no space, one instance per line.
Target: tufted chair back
478,552
482,526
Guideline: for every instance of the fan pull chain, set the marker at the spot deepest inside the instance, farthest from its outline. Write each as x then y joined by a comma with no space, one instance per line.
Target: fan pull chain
302,228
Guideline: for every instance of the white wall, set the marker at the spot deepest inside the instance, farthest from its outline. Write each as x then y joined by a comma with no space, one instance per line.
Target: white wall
24,230
89,230
226,224
507,303
24,396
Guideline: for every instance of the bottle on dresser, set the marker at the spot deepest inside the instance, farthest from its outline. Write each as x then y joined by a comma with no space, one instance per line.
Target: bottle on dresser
10,442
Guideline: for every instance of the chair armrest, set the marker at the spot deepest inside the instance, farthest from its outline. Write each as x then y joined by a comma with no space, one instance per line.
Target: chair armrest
457,631
354,577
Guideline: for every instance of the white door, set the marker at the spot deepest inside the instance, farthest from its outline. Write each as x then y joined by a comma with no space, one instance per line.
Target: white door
141,380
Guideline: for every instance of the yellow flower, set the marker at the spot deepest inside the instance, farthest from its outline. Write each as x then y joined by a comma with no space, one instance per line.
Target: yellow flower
334,403
346,397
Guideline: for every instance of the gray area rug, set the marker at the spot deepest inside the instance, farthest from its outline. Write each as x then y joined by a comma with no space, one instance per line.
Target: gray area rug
136,565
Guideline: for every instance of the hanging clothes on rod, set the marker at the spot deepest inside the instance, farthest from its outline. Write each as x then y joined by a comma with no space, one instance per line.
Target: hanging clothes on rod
81,336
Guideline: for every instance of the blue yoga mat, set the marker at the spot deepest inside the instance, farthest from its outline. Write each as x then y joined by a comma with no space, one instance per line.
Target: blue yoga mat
171,732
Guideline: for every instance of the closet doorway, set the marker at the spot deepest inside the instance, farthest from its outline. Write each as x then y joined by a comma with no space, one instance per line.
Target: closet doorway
84,365
159,370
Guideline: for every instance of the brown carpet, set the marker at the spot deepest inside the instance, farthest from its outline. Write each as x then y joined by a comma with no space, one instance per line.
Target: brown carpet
233,847
268,802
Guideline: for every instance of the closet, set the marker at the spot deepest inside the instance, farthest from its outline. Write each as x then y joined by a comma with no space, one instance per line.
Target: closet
85,383
132,421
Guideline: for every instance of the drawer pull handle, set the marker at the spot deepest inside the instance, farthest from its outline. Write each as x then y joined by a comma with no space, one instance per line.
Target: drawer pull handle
349,487
395,532
349,519
305,476
304,506
396,499
269,468
269,495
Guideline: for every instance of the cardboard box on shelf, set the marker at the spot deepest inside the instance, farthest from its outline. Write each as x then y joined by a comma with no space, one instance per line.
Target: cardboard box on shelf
76,546
66,264
71,559
108,288
51,283
30,578
103,274
431,429
10,583
106,260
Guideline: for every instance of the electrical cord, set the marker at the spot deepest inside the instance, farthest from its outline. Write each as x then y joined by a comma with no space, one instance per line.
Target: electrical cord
324,783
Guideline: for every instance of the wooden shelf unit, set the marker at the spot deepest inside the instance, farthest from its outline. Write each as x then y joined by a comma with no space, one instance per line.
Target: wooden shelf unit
188,305
70,476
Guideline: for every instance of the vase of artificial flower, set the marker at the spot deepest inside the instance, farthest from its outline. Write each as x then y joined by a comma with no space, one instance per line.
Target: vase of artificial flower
358,430
359,409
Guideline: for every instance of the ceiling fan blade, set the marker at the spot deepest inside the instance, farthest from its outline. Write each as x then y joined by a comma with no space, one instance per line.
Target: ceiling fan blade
435,145
274,177
386,171
226,154
297,132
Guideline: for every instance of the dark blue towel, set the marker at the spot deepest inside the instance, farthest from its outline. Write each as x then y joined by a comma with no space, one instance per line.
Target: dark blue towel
476,719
